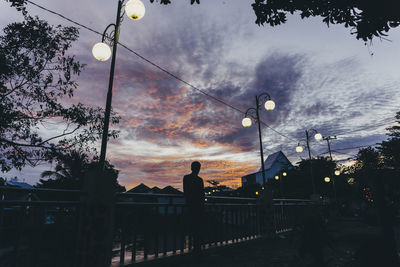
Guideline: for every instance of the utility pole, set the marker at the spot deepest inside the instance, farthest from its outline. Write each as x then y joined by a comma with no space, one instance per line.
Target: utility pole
328,138
311,170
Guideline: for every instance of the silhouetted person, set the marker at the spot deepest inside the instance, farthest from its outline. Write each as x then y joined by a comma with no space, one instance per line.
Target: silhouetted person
193,189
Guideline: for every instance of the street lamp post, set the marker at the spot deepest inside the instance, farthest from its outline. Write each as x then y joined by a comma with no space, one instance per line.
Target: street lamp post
328,139
135,10
246,122
299,149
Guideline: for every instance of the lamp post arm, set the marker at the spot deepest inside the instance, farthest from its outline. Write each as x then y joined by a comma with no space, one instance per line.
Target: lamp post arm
266,95
249,112
109,92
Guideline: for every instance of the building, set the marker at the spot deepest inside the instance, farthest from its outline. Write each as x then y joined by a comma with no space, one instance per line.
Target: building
144,194
274,164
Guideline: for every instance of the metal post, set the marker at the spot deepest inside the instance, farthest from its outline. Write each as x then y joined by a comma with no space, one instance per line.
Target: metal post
261,148
109,93
328,138
311,170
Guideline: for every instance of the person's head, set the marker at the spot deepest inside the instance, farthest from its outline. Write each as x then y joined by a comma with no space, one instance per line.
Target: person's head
195,167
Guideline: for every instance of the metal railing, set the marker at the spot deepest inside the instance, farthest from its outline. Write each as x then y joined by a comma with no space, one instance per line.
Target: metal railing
39,227
149,225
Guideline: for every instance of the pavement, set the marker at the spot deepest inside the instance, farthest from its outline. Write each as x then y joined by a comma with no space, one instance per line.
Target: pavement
344,238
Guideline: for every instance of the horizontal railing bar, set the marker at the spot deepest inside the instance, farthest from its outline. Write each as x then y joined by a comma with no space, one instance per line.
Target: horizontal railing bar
180,204
291,204
6,188
149,195
38,203
294,199
233,198
181,196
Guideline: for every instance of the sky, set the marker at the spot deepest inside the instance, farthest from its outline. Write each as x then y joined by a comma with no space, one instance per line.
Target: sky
320,78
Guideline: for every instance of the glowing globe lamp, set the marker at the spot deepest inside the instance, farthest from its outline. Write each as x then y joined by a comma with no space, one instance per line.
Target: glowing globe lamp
318,136
269,105
327,179
284,173
276,177
246,122
337,172
135,9
101,51
299,149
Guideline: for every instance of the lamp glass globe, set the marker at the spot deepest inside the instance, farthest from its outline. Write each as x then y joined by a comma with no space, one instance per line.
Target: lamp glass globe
299,149
327,179
135,9
246,122
276,177
269,105
284,173
337,172
101,51
318,136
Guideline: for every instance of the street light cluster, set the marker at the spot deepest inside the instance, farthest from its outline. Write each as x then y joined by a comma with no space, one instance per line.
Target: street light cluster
135,10
253,113
269,105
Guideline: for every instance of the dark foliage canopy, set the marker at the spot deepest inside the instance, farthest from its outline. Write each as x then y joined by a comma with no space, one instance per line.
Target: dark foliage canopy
366,19
36,80
70,170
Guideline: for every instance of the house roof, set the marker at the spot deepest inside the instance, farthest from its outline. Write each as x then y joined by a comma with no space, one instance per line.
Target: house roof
142,188
155,190
14,182
272,158
170,190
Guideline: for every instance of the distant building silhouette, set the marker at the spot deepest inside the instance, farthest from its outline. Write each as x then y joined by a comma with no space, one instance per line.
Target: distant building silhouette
142,188
274,164
143,193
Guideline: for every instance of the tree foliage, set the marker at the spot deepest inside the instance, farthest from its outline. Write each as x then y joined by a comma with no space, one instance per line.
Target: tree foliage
366,19
70,170
36,81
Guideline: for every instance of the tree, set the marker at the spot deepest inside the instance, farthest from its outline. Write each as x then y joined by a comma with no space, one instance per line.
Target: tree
36,76
365,18
69,172
390,149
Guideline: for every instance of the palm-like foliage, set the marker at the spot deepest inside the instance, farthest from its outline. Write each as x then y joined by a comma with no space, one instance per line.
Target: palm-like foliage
68,172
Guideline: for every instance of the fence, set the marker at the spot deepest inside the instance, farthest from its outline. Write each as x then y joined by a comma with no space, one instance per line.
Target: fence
40,227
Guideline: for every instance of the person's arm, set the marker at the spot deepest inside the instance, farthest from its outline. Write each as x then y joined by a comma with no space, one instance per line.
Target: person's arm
185,189
202,194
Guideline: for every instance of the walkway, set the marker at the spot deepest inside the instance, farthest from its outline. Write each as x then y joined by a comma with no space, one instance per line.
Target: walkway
346,235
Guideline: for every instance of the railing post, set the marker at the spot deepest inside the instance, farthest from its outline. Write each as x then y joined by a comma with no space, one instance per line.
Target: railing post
96,225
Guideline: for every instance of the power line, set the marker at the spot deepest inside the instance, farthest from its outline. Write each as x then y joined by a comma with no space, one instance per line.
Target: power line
368,127
158,67
354,147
